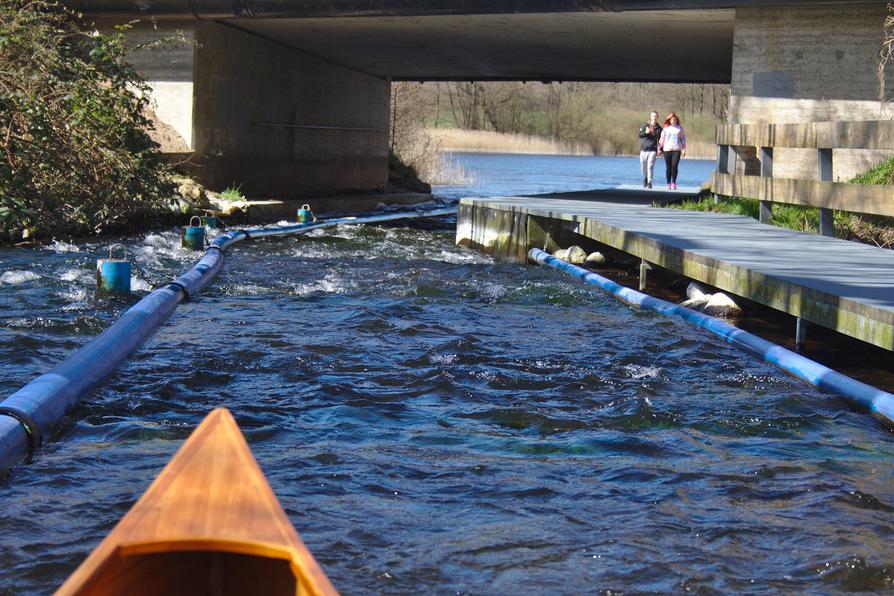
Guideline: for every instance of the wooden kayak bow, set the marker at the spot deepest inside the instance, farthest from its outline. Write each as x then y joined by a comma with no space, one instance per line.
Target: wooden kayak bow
208,524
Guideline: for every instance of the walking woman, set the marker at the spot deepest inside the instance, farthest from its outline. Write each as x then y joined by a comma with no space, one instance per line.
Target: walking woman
673,145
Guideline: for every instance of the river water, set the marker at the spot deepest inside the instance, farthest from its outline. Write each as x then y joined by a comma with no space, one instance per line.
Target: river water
503,174
436,422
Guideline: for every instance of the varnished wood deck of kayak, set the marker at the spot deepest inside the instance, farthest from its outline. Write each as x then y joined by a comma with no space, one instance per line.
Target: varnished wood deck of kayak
209,524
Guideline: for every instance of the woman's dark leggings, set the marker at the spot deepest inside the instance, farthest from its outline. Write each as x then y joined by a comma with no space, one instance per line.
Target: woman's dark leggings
672,161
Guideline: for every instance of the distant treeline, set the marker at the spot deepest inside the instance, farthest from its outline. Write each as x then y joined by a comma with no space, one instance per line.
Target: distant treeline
603,116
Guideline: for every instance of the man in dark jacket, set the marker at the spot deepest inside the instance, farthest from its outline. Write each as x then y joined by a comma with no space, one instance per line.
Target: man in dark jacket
649,133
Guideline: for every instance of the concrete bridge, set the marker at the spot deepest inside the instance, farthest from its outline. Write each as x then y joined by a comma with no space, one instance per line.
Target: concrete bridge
291,97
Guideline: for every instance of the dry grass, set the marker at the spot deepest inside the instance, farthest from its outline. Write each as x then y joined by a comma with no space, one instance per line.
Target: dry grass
699,149
424,153
482,141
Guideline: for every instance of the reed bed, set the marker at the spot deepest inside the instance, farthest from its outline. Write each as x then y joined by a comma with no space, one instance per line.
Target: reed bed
433,164
482,141
485,141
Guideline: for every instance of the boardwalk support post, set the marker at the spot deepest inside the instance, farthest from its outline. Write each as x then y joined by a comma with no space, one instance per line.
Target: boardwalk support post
800,334
644,267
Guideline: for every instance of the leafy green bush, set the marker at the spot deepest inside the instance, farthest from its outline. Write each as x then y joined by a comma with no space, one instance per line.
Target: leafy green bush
75,155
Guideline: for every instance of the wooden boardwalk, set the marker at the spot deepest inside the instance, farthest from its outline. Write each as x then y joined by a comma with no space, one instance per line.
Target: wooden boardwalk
838,284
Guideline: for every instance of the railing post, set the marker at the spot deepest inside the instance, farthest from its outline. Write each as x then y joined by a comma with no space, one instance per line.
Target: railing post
722,165
723,159
827,222
731,157
765,155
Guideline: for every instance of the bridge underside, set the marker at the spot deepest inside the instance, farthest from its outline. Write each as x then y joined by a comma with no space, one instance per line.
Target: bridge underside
655,46
295,105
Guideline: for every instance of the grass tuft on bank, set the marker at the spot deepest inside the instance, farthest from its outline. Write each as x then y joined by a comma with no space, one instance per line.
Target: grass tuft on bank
881,174
792,217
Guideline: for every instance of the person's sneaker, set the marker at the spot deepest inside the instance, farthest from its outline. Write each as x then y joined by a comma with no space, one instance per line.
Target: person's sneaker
649,185
668,186
673,186
645,182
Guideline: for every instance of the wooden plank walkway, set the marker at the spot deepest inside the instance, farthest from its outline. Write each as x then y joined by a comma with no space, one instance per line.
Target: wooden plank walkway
839,284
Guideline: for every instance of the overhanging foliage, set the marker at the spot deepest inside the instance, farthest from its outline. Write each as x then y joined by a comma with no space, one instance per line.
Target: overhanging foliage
75,155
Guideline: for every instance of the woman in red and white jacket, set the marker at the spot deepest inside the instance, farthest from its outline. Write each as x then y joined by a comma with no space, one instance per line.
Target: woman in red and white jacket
672,145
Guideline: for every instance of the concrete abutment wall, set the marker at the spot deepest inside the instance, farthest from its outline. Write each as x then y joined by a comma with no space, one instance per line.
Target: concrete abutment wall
164,55
808,64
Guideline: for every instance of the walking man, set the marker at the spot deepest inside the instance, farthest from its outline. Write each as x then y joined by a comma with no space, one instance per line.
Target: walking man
649,134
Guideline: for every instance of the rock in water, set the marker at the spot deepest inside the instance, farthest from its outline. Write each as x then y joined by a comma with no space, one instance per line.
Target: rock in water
697,298
721,305
562,253
695,291
191,195
576,255
713,305
596,258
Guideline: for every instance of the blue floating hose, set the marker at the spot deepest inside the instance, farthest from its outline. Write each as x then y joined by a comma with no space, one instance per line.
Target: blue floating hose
46,400
879,403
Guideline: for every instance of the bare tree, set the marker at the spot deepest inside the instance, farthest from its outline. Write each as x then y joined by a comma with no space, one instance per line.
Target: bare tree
884,55
502,103
465,102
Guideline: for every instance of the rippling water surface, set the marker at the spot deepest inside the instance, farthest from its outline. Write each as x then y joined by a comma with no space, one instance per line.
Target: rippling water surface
435,422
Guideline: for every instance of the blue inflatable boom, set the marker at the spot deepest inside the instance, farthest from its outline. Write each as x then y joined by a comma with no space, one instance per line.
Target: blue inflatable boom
32,412
879,403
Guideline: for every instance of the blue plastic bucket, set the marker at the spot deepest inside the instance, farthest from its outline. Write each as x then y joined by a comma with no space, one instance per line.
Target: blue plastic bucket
113,275
211,222
193,235
305,215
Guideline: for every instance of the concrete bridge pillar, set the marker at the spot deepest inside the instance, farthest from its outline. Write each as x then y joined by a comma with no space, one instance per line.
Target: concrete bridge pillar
809,64
284,123
258,114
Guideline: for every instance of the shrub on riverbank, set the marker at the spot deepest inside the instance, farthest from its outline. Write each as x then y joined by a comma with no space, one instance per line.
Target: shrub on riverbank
75,156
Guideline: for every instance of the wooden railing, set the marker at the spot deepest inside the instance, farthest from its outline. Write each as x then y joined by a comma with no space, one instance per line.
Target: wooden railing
822,193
